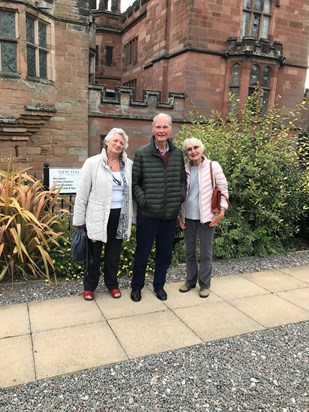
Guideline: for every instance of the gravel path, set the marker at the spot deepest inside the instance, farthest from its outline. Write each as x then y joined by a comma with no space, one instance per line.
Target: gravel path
262,371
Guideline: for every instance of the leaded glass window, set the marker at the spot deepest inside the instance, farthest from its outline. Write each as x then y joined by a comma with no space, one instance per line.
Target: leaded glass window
8,42
234,88
256,18
37,49
260,83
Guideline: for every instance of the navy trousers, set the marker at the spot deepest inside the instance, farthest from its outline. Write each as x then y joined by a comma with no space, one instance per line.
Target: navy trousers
148,231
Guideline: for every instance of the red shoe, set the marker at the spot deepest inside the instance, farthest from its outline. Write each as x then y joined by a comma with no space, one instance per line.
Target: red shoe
115,293
88,295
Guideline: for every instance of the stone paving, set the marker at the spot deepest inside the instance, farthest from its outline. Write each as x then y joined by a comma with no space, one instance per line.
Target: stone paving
65,335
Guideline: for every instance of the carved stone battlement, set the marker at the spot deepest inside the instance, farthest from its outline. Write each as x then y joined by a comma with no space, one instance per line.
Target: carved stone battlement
121,101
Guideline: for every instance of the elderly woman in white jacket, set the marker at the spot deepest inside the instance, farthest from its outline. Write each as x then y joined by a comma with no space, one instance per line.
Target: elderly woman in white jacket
196,218
104,204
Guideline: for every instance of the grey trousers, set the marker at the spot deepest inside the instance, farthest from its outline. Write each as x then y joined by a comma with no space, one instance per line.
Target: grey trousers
206,233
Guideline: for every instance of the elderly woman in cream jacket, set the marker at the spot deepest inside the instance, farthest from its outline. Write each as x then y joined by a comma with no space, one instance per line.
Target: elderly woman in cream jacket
104,204
196,218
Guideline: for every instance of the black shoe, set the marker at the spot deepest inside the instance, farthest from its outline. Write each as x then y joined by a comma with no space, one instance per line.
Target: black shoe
161,294
136,295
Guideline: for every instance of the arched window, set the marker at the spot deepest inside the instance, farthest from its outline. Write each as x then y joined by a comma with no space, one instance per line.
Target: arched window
256,18
234,87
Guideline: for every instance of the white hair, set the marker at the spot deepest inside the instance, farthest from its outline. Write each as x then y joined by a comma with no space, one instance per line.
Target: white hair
114,131
162,114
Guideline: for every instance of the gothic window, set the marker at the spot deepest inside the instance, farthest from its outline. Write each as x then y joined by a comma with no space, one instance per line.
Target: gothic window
256,18
8,42
260,83
130,52
234,87
37,49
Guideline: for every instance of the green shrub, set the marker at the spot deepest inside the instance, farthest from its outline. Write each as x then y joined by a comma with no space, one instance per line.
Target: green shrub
266,184
30,222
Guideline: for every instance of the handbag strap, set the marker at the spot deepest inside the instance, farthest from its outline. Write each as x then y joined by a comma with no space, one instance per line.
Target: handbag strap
213,185
211,175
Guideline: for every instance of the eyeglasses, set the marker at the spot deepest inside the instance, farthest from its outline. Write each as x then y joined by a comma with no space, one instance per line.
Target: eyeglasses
189,149
118,182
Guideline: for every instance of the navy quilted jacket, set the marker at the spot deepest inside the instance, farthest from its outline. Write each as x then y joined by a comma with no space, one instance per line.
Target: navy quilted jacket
158,189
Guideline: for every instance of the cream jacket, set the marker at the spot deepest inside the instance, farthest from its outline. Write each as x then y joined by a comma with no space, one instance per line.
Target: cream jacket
94,196
205,188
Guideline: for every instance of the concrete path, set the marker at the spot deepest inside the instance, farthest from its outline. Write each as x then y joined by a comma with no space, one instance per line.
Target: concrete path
54,337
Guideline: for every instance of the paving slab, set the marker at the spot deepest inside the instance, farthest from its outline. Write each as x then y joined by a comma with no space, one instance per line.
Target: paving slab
230,287
275,281
270,310
217,320
152,333
63,312
178,299
16,361
298,272
299,297
72,349
124,306
14,320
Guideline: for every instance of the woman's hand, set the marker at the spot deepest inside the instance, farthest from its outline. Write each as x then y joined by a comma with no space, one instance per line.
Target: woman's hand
217,218
181,223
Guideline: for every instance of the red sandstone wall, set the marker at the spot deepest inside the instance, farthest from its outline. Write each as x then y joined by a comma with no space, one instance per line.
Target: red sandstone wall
63,140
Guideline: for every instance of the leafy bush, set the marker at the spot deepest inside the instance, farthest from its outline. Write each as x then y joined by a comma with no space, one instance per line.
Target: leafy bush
266,184
30,222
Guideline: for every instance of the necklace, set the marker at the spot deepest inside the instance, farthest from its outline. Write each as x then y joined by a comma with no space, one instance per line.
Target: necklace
110,163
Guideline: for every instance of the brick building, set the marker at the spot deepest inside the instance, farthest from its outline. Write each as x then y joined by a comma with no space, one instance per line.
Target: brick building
157,56
44,77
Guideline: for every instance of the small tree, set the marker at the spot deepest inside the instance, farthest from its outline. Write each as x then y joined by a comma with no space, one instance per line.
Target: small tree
266,183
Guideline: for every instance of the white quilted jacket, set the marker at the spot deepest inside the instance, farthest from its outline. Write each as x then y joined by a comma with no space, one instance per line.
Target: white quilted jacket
205,188
94,196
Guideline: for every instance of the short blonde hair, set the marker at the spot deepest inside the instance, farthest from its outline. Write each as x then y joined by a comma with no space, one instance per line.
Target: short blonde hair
192,141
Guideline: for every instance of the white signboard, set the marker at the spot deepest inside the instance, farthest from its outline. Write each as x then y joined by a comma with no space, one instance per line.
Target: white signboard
67,179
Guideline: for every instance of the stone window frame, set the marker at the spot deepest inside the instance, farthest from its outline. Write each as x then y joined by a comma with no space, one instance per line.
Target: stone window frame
10,40
109,56
260,82
256,18
131,52
40,50
244,83
21,11
234,88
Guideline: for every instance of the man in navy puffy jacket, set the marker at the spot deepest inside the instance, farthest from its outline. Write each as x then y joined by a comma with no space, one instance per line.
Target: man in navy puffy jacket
159,188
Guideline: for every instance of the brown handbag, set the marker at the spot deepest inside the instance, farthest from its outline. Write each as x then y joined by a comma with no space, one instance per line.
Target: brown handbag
216,195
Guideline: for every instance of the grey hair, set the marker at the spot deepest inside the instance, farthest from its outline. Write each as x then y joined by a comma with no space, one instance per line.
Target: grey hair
114,131
194,141
162,114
